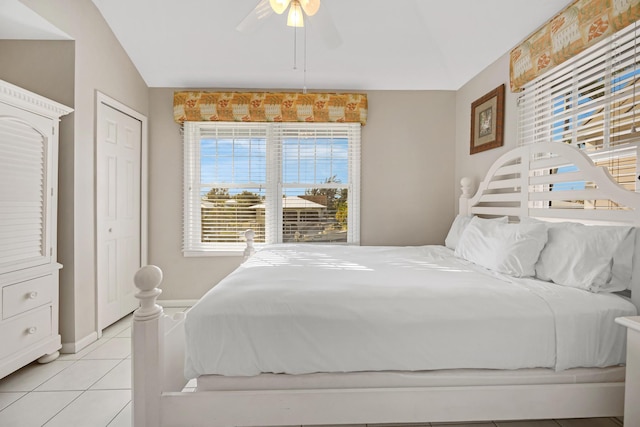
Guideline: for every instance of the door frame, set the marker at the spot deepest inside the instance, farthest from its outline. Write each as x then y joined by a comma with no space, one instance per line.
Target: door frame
102,98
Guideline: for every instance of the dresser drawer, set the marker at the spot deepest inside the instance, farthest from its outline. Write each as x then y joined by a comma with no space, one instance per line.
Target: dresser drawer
24,296
23,331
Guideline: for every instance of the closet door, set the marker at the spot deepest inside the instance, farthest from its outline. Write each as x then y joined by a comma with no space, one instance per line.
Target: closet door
25,190
118,210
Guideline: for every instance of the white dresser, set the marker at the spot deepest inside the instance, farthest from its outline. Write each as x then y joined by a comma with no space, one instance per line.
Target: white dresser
28,216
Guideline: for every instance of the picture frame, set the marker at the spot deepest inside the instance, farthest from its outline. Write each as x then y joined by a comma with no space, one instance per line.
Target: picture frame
487,121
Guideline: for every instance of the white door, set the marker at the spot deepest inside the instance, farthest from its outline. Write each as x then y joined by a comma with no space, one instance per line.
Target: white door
118,203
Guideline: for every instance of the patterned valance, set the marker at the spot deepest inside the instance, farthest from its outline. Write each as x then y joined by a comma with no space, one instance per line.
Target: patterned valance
579,26
269,107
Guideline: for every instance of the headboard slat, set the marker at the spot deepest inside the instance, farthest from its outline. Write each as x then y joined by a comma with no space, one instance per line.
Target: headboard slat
554,178
501,197
549,163
505,183
592,215
498,211
592,194
508,170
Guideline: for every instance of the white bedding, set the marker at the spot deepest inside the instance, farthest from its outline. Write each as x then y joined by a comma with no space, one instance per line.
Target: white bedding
301,309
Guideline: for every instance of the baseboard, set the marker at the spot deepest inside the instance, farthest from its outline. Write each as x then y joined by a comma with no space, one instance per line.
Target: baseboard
176,302
74,347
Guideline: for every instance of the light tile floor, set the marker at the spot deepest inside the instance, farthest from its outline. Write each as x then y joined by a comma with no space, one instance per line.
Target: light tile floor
92,388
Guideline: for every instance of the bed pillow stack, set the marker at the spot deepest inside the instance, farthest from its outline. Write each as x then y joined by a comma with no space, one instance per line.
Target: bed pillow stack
511,249
593,258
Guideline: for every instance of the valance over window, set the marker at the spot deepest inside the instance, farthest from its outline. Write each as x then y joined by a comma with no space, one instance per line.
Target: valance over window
270,107
579,26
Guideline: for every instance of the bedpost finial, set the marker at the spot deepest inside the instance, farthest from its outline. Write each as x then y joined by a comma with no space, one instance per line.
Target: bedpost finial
147,279
465,184
249,235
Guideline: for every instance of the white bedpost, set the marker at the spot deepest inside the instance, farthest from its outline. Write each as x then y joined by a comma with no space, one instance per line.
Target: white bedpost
249,250
463,206
148,348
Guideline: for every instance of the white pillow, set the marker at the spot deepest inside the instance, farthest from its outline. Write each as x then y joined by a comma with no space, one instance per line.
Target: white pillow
580,256
622,268
512,249
458,226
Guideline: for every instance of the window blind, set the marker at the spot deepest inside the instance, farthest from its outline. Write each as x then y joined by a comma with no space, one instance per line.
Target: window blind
590,102
290,182
23,175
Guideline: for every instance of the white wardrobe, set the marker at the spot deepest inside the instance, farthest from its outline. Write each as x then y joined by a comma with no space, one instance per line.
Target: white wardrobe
28,216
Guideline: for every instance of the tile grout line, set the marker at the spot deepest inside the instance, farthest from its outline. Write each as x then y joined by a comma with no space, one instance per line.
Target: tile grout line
63,408
119,412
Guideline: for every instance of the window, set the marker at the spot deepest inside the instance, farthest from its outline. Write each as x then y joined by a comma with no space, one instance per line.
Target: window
290,182
590,102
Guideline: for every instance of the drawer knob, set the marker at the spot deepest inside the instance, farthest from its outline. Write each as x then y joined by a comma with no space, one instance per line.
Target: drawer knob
32,330
33,295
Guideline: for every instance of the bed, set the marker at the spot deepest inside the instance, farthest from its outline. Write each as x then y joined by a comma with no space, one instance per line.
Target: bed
524,348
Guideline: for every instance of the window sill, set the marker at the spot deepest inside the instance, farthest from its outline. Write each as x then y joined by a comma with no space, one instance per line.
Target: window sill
213,253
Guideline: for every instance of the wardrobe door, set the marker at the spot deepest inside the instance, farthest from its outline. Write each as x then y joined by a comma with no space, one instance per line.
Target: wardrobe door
25,190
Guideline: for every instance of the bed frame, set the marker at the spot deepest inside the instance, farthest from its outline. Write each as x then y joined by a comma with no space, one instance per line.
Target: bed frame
520,183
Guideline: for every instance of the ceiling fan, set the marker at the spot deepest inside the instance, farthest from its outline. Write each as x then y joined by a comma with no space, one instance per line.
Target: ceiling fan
298,11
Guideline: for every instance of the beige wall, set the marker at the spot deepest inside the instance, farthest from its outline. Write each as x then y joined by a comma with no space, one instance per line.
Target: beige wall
101,64
407,156
45,67
476,165
407,153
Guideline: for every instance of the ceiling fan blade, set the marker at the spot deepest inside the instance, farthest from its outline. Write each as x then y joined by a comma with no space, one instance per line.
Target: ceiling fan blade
310,7
279,6
256,17
322,22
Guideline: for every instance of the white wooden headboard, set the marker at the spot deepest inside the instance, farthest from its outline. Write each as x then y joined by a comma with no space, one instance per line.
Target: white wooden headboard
554,182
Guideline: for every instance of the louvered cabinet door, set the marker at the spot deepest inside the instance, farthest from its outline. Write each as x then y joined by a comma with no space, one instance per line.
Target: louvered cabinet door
26,192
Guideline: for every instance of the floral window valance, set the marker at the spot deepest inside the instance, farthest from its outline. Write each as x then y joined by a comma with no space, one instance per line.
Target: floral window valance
270,107
579,26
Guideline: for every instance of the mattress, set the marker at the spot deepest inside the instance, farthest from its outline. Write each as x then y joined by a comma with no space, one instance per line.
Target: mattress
393,379
302,309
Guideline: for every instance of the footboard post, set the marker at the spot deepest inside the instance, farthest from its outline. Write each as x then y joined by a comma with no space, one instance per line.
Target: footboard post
249,235
148,349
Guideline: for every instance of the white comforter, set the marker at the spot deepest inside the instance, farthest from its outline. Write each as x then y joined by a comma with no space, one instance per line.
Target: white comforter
307,308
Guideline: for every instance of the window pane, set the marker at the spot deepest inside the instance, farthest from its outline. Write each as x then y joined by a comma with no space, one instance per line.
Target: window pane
233,161
313,160
314,215
227,213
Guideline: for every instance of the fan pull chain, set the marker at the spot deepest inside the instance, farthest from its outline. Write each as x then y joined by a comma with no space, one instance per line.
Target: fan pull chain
304,71
295,48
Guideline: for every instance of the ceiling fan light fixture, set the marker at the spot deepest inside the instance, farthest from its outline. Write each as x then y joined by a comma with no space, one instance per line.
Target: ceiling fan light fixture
295,18
310,7
279,6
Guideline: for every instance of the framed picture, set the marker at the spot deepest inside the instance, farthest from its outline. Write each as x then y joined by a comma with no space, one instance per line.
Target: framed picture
487,117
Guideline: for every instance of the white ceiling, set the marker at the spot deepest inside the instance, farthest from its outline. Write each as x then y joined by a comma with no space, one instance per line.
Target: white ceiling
19,22
386,45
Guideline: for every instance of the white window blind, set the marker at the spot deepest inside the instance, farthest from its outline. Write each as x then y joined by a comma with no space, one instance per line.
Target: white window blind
289,182
23,160
590,102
